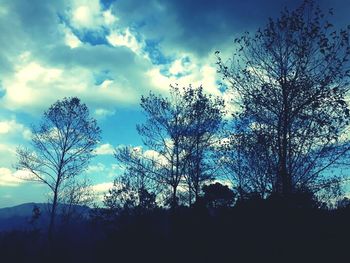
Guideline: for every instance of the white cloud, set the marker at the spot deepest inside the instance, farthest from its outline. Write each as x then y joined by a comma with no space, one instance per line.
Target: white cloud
71,39
30,84
96,168
109,18
101,113
103,170
181,65
12,127
7,154
35,86
125,38
104,149
154,155
88,14
196,73
6,148
158,80
176,67
8,178
4,127
83,16
102,187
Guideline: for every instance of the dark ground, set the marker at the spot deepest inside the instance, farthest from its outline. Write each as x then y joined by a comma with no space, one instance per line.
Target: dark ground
251,232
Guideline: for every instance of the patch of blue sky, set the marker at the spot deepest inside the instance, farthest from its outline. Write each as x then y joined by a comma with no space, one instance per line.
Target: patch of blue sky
165,71
185,61
152,48
101,76
27,119
27,192
124,126
221,86
106,4
92,37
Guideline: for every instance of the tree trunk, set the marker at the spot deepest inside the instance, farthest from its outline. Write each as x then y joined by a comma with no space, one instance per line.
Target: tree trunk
53,215
189,195
285,178
196,193
174,200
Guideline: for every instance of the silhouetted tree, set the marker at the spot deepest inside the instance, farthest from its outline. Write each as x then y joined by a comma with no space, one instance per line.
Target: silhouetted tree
218,195
344,203
179,133
122,196
36,213
130,192
204,120
164,133
62,146
246,164
75,195
291,81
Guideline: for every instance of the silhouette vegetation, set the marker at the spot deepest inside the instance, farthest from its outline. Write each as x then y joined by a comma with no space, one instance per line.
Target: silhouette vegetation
62,146
207,185
291,79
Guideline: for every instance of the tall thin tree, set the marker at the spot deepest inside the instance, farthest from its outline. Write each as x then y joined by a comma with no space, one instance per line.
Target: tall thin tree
62,146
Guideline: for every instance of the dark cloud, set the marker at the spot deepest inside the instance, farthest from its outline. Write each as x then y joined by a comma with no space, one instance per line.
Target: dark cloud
38,18
24,24
203,26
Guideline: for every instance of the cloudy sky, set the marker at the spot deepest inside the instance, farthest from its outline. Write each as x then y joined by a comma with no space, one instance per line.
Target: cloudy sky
109,53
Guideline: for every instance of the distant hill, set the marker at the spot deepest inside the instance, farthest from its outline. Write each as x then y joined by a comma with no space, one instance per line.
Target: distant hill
19,217
21,210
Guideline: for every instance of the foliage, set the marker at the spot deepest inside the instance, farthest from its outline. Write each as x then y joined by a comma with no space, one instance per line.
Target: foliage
127,194
291,81
218,195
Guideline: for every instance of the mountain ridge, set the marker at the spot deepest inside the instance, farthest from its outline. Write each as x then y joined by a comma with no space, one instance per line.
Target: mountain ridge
20,217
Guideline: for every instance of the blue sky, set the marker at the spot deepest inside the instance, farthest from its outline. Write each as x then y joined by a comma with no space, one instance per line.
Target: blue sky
109,53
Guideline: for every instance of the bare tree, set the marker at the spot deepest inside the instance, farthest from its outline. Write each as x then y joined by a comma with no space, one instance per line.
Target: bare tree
179,132
130,191
204,120
62,146
246,163
291,82
163,133
76,196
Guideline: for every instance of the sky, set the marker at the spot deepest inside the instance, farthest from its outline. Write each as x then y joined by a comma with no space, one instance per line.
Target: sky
109,53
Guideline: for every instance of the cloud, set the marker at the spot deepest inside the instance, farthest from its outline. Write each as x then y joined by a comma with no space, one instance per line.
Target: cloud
7,154
52,55
96,168
102,113
89,14
104,149
11,134
102,187
198,73
125,38
85,49
202,27
9,178
103,170
70,38
34,86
